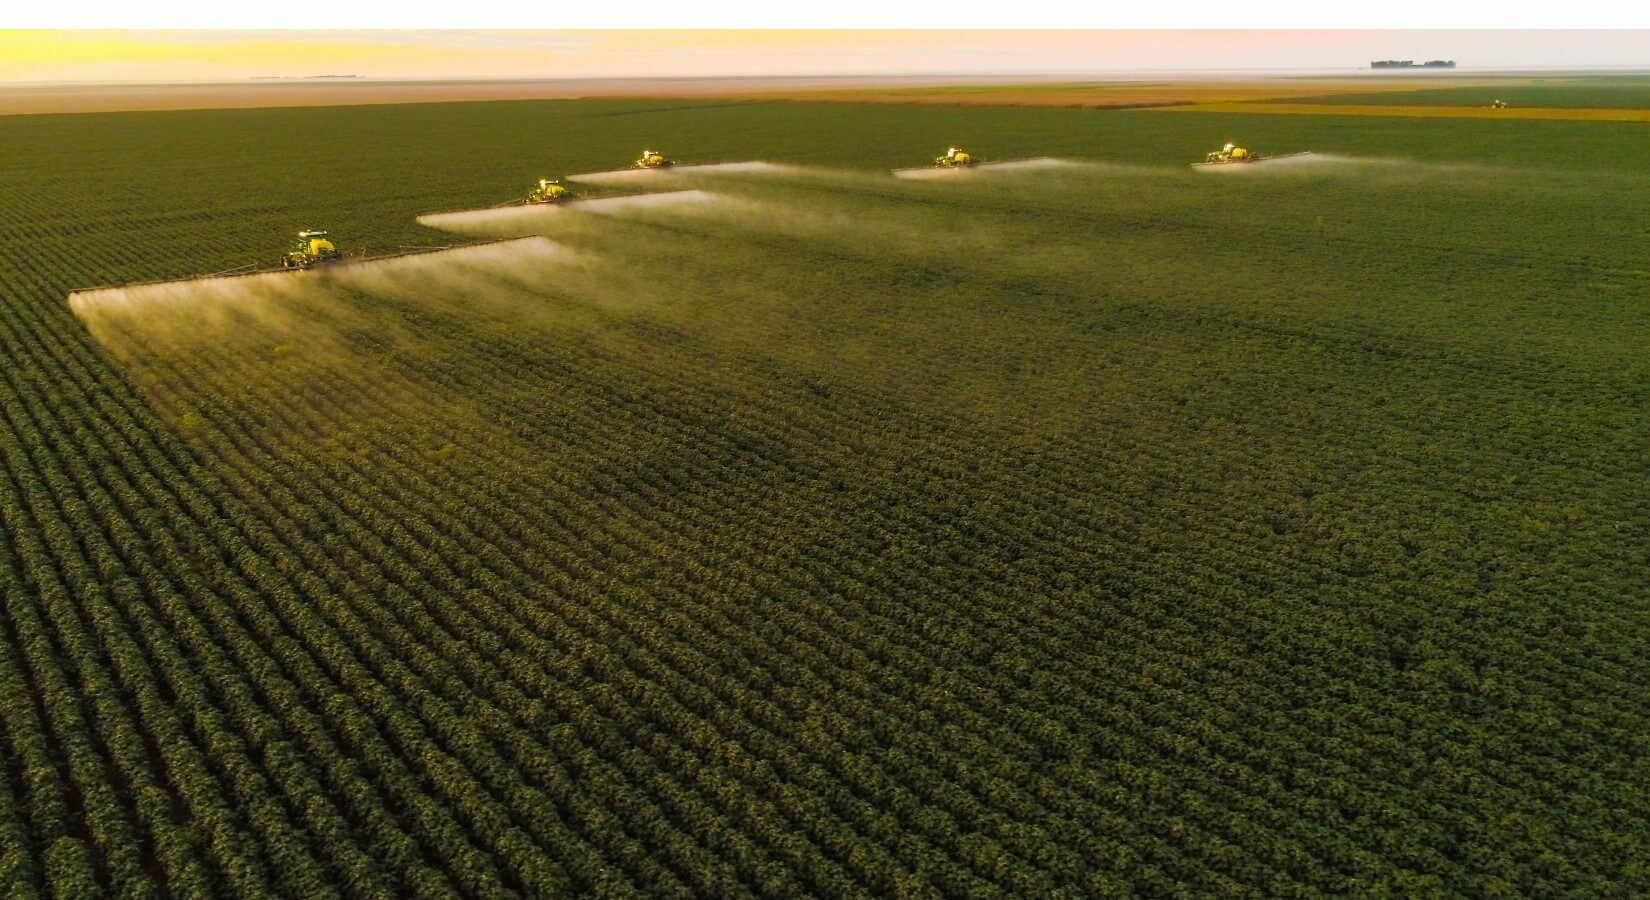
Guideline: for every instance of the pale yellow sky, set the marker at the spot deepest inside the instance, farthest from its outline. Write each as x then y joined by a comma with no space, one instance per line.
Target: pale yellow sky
118,56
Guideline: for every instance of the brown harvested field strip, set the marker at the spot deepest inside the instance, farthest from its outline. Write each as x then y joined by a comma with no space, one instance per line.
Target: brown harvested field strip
953,91
1426,112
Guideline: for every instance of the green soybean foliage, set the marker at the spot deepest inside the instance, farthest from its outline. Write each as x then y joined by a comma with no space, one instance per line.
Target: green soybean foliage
1557,92
1109,528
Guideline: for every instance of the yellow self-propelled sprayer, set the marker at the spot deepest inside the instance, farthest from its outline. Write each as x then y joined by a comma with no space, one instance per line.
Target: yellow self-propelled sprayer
1232,154
957,161
652,159
548,190
313,248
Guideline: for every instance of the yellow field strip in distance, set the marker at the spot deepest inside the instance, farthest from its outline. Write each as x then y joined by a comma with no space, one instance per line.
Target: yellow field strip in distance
1423,112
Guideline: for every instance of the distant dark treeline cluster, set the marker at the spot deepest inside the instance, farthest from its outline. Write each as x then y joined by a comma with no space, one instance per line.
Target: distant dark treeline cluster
1410,64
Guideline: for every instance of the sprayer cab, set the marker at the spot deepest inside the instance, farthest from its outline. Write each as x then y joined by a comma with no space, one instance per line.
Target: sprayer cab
955,158
312,248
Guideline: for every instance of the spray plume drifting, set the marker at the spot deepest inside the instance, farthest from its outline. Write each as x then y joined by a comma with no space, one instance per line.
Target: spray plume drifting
178,313
1007,165
528,218
632,176
1288,162
191,292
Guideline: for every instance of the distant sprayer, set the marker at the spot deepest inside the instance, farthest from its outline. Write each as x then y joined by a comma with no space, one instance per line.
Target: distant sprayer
1233,154
652,159
548,190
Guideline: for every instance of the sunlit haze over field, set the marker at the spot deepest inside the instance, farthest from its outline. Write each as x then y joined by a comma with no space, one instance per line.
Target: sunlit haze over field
146,56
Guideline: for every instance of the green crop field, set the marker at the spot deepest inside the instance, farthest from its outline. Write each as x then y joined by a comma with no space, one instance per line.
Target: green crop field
1563,92
1105,528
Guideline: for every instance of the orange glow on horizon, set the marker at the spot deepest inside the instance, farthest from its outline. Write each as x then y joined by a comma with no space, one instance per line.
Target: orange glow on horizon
133,56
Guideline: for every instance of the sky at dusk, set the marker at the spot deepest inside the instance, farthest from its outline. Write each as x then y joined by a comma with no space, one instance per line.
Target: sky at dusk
137,56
